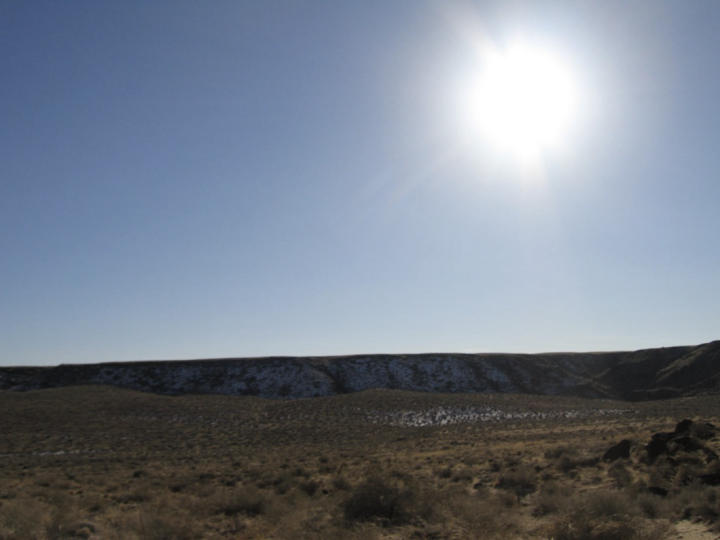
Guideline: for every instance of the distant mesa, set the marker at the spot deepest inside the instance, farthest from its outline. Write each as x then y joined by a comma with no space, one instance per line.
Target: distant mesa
633,375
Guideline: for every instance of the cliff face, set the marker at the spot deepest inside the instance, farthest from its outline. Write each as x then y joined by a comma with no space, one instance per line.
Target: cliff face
645,374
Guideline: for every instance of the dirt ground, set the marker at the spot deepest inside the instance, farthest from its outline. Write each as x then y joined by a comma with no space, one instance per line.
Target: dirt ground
101,462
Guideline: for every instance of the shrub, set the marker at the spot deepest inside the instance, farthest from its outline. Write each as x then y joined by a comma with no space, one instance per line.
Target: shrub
522,481
136,496
696,500
281,483
374,499
158,525
339,482
377,500
604,504
247,501
558,452
606,515
21,519
620,474
551,499
652,506
567,464
626,529
464,474
578,530
309,487
487,518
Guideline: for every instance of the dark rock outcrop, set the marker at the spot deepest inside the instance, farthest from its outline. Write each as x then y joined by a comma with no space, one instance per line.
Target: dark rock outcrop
658,490
620,450
711,479
703,431
687,437
675,458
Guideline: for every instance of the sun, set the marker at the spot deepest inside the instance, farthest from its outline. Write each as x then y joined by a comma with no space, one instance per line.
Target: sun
522,101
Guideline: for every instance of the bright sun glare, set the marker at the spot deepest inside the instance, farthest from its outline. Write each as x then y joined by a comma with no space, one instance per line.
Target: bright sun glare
522,101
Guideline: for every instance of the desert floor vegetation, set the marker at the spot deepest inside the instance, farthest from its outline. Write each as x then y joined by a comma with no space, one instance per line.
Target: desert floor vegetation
101,462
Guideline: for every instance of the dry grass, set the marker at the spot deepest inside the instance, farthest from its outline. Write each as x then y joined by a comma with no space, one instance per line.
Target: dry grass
92,462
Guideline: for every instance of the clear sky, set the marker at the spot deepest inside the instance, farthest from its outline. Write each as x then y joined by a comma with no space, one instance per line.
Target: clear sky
228,178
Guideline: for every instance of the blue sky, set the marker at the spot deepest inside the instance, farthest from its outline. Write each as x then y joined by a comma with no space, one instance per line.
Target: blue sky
200,179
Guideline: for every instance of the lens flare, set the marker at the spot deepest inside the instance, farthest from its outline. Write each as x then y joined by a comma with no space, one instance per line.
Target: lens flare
522,101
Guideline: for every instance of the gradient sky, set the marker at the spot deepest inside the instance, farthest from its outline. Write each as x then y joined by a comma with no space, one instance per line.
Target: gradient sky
200,179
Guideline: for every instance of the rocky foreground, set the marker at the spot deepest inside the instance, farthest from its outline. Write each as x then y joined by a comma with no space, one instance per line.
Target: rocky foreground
674,459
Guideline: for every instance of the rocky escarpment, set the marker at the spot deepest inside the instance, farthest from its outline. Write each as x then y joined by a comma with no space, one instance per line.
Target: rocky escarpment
644,374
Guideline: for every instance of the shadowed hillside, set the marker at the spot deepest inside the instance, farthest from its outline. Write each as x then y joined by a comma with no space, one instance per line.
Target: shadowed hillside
636,375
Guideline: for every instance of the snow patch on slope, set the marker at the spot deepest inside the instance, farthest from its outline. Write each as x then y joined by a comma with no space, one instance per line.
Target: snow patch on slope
442,416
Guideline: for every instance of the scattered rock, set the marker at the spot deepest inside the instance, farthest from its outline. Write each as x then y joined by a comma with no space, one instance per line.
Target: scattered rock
687,437
711,479
683,426
78,530
691,444
657,490
619,451
703,431
657,446
681,455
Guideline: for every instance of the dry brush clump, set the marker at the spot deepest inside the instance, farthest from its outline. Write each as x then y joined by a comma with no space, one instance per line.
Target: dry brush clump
386,503
54,517
552,498
161,524
486,514
521,481
606,514
408,509
20,519
695,501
